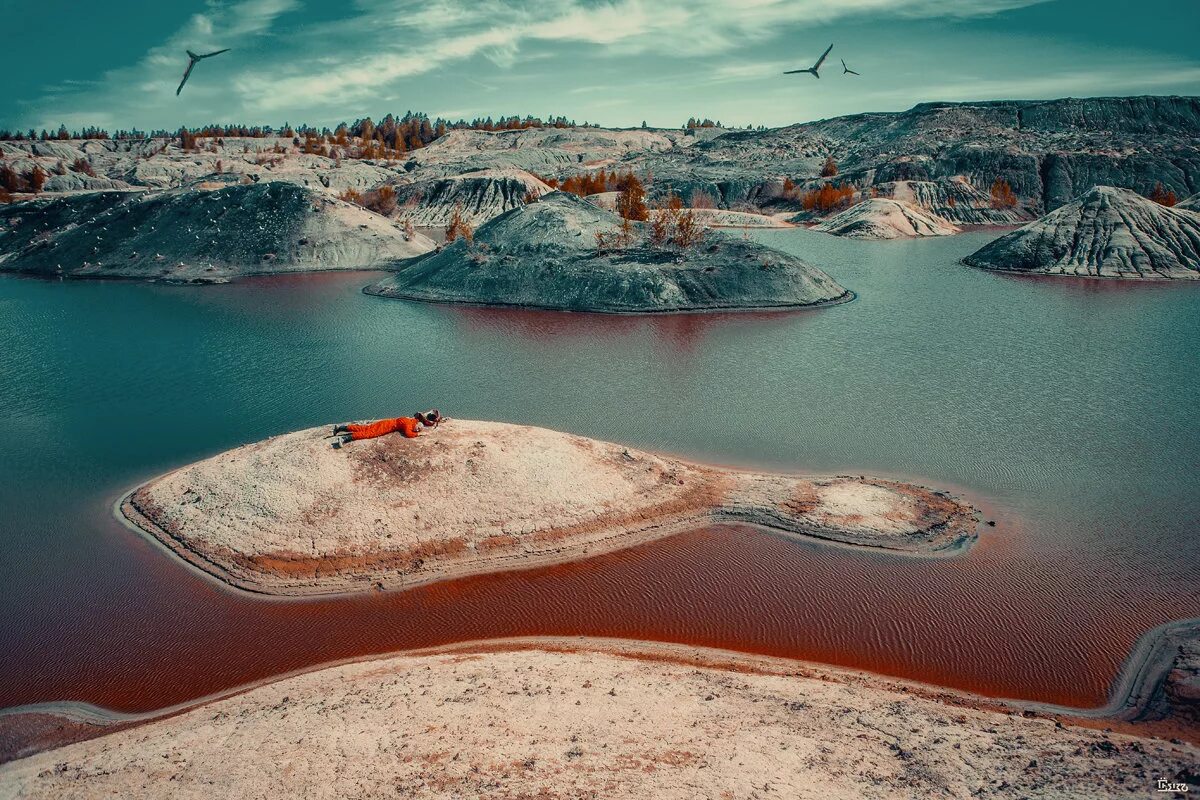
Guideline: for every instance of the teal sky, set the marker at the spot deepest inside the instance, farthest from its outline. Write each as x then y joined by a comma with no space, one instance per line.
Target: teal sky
618,62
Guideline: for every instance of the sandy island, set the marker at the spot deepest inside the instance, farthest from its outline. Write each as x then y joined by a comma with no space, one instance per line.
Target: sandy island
291,515
589,718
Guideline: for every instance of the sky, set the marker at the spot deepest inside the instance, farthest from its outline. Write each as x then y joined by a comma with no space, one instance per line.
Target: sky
617,62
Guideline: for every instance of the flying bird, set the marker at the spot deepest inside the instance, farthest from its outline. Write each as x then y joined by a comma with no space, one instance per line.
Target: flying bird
192,65
846,69
814,68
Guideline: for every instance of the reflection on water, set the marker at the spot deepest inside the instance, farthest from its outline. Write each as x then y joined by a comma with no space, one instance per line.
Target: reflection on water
1069,409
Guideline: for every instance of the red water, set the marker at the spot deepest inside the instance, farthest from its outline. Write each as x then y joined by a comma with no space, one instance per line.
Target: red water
729,587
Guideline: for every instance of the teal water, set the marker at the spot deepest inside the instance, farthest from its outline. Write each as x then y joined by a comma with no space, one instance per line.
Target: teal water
1067,408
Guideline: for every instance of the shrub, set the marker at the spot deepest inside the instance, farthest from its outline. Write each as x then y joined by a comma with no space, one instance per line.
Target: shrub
660,227
829,168
687,231
36,178
1002,195
1163,196
382,200
5,196
827,198
84,166
702,199
352,196
459,227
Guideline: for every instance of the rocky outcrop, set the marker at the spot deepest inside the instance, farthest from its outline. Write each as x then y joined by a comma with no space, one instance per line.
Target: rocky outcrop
195,235
1049,151
292,515
1190,204
479,196
546,255
1106,233
79,182
878,218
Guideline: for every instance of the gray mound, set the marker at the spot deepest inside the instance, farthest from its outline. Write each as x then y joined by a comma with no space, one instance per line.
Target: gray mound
1191,204
955,201
880,218
480,196
1108,233
544,255
191,235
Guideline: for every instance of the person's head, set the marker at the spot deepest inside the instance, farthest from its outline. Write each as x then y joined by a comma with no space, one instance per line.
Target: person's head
430,419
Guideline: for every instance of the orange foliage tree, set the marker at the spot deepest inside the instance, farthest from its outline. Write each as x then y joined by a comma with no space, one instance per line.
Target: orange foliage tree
1002,195
827,198
459,228
1163,196
36,179
829,168
631,202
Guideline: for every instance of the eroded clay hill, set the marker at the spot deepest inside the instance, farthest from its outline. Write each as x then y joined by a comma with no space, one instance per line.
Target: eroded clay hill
1105,233
879,218
198,235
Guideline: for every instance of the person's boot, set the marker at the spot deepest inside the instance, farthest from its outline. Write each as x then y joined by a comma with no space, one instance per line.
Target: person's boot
338,441
340,429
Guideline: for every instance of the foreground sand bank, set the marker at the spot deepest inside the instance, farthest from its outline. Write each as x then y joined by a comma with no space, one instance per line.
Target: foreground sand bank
292,515
581,718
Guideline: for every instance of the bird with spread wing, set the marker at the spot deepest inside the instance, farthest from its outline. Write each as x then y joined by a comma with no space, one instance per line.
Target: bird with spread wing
814,70
193,59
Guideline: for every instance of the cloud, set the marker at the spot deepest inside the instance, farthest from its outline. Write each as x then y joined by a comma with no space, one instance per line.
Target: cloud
448,31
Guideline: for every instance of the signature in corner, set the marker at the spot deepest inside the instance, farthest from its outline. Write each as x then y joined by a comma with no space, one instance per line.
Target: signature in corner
1164,785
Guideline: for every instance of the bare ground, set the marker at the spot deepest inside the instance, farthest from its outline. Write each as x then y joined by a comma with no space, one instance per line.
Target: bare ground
582,718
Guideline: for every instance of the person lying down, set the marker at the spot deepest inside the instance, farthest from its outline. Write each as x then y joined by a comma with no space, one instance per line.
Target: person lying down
409,426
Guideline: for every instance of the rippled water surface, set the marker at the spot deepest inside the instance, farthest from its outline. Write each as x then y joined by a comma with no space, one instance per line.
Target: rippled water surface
1067,409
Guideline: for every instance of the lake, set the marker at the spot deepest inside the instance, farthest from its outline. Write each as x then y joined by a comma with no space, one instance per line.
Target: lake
1066,409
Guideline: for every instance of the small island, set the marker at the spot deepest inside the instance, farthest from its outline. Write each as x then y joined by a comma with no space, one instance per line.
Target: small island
1104,233
564,253
293,516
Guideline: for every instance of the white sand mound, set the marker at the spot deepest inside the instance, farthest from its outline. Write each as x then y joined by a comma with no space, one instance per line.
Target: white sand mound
879,218
293,515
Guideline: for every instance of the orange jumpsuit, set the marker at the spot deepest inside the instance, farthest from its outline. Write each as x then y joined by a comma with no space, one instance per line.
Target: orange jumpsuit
406,425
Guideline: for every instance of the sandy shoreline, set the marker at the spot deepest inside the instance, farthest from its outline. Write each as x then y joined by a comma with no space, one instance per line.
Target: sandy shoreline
291,516
820,731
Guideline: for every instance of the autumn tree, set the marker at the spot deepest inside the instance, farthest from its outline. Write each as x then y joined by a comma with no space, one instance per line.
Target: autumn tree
827,197
36,178
829,168
1163,196
352,196
459,227
631,202
84,166
1003,196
